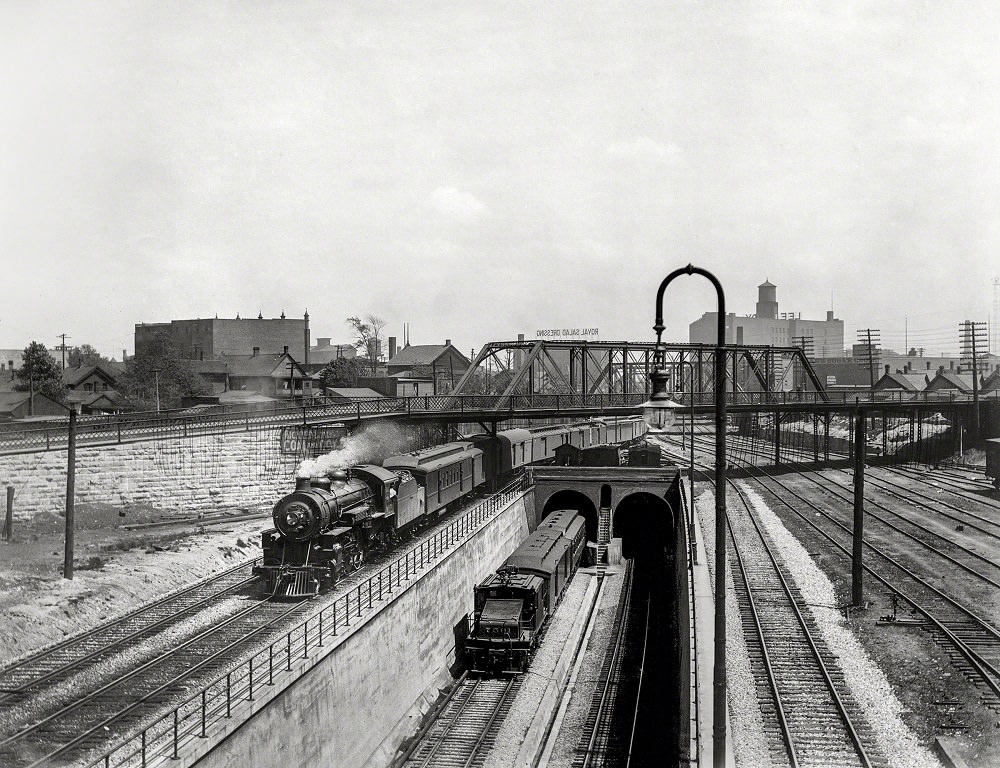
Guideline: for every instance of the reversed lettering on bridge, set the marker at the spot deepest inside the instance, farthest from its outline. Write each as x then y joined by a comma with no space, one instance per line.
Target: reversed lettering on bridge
566,332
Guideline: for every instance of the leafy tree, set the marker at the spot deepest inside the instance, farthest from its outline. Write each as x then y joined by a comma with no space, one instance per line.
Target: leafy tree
158,367
85,355
342,372
39,372
368,339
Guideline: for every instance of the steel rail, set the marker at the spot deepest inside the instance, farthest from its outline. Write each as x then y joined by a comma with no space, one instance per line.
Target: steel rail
987,671
149,697
180,724
116,642
835,490
642,677
608,673
806,634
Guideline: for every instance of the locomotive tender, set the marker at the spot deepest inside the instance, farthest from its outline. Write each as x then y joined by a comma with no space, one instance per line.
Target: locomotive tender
513,604
329,525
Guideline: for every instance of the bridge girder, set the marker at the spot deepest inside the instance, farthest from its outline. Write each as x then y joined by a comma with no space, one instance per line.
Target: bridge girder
623,367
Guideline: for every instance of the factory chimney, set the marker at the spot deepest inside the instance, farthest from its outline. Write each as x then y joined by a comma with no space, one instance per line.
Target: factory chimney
305,357
392,347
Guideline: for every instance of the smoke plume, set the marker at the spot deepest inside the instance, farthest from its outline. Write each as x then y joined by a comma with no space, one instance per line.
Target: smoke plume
369,446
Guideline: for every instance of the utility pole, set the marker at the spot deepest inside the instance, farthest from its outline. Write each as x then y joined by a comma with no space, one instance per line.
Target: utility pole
291,380
156,373
804,343
70,495
857,566
62,346
973,332
870,338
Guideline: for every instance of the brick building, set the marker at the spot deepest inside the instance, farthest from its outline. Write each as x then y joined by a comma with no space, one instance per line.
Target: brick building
824,338
213,338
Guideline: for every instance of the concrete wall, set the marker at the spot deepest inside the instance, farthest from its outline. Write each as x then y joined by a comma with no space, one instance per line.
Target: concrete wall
358,703
207,473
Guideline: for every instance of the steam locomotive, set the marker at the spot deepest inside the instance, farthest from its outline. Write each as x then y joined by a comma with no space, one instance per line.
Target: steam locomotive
329,525
513,604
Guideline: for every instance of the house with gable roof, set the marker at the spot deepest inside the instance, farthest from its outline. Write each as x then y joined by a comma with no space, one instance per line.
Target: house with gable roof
276,375
443,364
899,385
947,380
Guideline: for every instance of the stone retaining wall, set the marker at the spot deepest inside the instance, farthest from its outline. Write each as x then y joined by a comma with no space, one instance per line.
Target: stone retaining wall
205,473
355,706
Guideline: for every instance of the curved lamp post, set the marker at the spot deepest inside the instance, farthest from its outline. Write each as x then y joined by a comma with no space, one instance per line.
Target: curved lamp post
654,411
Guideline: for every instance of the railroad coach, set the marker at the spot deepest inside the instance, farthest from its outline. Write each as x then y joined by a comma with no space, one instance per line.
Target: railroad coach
446,472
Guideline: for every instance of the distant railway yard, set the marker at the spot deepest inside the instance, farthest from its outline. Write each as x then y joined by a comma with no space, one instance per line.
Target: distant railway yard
932,612
812,679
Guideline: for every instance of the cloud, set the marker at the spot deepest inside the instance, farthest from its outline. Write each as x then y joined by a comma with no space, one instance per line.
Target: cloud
645,148
457,204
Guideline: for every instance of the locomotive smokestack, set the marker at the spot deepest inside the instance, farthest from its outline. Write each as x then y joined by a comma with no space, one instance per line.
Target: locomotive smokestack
302,483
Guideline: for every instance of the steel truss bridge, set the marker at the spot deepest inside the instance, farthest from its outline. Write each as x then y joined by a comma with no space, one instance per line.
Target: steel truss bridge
530,381
585,368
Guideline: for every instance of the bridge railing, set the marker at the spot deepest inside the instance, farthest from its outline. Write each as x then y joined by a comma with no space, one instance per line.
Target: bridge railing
21,437
232,694
133,427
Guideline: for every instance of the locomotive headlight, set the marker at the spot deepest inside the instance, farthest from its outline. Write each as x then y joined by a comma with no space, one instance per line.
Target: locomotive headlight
296,516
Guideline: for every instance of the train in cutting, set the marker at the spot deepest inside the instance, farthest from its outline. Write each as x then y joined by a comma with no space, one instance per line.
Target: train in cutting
513,605
329,525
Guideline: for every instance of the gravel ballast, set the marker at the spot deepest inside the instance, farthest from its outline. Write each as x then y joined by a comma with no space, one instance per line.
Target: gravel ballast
868,684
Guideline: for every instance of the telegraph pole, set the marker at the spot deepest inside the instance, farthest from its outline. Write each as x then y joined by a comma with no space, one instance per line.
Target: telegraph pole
972,332
865,335
805,343
70,495
857,566
62,346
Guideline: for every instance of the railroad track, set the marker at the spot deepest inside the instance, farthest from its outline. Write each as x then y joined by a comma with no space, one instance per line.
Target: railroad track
605,739
62,726
971,640
810,717
465,727
56,663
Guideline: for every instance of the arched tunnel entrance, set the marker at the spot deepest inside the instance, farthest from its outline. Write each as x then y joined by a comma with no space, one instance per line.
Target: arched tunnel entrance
641,507
644,523
572,499
647,526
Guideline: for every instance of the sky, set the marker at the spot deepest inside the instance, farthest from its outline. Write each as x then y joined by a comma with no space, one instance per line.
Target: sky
479,170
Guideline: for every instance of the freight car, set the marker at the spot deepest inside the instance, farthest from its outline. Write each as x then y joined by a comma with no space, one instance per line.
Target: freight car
330,525
513,604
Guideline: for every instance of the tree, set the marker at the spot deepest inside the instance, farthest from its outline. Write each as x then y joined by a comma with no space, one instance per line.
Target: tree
85,355
39,372
342,372
158,370
368,339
